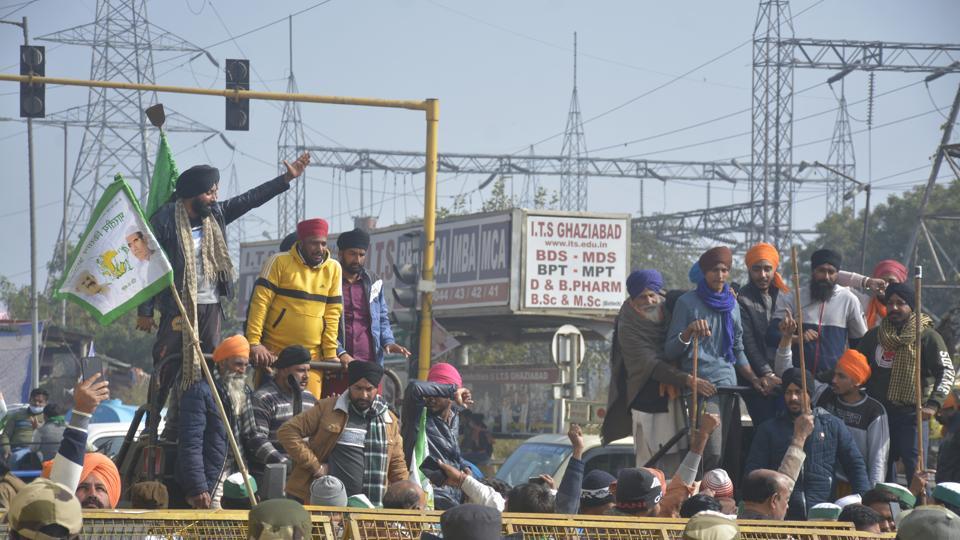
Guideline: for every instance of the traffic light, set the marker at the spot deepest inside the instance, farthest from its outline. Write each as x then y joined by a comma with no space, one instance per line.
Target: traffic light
32,96
238,110
405,288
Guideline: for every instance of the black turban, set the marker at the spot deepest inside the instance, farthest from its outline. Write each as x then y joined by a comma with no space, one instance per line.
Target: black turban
288,242
293,355
825,256
904,291
357,238
362,369
197,180
793,376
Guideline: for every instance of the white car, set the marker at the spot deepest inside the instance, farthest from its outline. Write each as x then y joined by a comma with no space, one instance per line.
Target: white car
550,454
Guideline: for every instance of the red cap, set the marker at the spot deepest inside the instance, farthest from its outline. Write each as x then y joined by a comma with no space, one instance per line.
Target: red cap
312,227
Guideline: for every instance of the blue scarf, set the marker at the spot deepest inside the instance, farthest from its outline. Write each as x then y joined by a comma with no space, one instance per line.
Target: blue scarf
723,302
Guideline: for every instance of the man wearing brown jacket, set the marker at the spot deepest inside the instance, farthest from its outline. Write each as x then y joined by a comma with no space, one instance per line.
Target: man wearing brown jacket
353,437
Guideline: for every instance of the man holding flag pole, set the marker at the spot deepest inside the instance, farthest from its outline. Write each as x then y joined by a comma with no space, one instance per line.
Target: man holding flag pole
190,227
105,278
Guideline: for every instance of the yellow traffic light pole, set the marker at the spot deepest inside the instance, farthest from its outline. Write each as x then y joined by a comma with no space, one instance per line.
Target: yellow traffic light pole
431,108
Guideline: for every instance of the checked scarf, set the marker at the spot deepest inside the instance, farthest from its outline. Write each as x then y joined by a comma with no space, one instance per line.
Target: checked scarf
214,264
375,452
902,387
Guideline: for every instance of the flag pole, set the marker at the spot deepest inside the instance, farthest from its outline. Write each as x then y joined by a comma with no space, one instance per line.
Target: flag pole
918,288
216,398
798,316
696,397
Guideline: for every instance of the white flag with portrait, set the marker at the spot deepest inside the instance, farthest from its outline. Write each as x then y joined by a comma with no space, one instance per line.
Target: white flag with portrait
118,264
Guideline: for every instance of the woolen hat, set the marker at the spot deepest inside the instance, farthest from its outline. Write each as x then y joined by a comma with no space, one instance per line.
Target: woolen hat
637,489
328,491
719,482
294,355
149,495
471,522
357,238
825,256
196,180
928,522
595,488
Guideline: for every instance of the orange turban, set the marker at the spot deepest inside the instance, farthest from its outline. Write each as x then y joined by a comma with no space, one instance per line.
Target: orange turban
766,252
855,365
95,462
231,347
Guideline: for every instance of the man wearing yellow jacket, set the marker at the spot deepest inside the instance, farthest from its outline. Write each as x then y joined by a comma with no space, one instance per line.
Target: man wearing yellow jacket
297,301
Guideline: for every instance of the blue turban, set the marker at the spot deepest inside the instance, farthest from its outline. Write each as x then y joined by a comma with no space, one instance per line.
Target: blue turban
639,280
695,275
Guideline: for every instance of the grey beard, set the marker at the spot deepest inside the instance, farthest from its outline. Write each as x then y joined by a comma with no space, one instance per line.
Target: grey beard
652,313
236,392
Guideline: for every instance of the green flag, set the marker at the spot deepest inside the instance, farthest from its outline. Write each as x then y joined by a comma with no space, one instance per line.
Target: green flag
164,178
118,264
420,452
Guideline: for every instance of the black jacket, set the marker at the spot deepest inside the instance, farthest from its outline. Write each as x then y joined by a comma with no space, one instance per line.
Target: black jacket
164,224
756,319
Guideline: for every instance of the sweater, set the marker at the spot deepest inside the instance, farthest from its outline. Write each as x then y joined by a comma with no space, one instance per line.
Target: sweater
296,304
867,421
712,364
838,320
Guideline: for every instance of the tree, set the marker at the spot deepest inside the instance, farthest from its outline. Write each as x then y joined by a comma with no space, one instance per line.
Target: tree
891,225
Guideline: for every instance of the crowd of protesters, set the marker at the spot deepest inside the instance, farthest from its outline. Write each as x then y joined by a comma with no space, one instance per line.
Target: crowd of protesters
836,441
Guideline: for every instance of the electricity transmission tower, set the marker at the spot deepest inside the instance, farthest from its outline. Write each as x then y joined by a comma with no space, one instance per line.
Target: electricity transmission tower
841,157
573,180
115,137
291,204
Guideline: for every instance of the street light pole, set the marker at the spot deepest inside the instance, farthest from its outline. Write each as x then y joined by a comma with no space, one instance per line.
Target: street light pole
34,302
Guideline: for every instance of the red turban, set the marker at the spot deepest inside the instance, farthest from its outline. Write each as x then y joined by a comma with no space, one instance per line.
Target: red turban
232,347
312,227
890,267
854,365
766,252
444,374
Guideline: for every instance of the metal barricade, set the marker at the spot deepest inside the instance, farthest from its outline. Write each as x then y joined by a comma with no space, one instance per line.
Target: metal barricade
177,525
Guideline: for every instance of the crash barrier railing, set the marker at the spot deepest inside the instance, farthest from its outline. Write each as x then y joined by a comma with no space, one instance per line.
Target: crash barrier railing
332,523
175,525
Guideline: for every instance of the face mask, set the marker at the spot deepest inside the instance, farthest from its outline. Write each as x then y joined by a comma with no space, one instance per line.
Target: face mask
36,410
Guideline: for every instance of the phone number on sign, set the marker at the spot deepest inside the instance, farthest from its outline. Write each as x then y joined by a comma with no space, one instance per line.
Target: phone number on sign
471,294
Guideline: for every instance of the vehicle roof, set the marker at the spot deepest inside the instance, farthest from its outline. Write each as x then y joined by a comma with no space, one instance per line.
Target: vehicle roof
589,441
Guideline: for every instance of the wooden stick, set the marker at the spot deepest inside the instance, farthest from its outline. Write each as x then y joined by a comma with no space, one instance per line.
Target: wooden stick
799,318
216,398
918,288
696,396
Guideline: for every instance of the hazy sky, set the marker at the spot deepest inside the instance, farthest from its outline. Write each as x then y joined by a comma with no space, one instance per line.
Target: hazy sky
503,73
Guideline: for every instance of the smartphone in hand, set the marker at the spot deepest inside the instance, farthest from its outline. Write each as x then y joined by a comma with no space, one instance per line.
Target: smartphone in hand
431,469
91,365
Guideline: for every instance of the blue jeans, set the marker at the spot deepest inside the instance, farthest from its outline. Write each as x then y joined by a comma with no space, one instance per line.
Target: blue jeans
903,444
